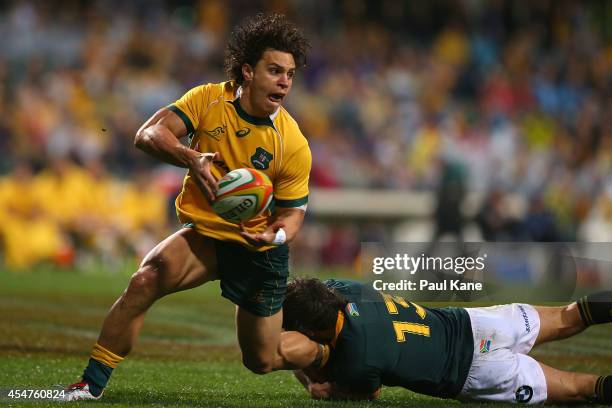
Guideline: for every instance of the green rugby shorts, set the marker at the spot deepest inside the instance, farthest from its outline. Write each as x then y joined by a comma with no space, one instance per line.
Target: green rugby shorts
255,281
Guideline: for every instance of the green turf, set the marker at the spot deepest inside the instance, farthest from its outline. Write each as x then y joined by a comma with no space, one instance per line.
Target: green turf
187,354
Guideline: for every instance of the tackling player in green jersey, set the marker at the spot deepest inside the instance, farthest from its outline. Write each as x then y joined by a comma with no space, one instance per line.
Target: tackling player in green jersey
471,354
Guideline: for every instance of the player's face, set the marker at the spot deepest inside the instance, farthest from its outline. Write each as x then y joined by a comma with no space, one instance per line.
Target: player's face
269,82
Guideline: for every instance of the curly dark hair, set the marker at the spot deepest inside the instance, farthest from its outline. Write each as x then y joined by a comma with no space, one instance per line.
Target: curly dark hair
256,34
311,306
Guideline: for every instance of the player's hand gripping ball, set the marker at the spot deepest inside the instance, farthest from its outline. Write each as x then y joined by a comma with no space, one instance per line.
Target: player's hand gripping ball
242,195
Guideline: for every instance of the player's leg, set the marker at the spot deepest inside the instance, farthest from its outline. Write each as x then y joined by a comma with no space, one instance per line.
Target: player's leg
259,339
500,370
512,331
561,322
566,386
504,376
184,260
558,323
256,283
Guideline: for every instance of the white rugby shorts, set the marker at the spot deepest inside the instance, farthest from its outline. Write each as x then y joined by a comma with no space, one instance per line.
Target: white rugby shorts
501,369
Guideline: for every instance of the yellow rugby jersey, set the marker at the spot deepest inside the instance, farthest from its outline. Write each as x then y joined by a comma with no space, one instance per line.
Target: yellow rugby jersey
273,145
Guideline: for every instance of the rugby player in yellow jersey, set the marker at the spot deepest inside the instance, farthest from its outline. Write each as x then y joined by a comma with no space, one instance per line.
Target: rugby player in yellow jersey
230,125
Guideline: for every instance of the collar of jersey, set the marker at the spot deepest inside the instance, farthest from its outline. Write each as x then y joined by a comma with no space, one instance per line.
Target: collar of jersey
339,325
252,119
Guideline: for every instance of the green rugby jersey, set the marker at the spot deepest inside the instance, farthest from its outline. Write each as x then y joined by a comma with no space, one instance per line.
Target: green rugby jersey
387,340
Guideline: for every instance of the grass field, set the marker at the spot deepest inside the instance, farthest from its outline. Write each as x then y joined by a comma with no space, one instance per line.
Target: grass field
187,354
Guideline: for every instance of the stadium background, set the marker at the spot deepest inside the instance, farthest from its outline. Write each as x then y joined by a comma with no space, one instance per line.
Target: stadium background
488,119
505,102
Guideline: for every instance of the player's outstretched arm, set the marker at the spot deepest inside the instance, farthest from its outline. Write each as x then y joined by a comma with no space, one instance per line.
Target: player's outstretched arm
317,388
302,378
159,136
290,219
296,351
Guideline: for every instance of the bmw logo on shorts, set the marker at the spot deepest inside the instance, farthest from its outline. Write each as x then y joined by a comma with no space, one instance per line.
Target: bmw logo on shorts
524,394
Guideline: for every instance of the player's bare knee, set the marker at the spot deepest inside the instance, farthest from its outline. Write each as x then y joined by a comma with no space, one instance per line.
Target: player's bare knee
145,282
257,365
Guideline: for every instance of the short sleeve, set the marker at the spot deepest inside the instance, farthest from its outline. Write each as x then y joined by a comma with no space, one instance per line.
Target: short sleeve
191,106
291,187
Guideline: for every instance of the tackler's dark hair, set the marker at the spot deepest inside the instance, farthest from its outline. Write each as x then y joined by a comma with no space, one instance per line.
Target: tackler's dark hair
311,306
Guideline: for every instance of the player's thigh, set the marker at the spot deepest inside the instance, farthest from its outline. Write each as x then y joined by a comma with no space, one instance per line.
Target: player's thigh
567,386
184,260
256,282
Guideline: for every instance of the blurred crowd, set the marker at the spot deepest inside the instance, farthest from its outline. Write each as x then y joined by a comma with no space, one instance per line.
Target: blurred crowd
69,214
514,93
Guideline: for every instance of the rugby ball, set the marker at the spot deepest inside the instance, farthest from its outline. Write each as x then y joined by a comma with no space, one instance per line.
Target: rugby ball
242,195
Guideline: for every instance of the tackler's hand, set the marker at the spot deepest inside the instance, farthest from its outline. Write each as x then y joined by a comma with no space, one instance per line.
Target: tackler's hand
320,390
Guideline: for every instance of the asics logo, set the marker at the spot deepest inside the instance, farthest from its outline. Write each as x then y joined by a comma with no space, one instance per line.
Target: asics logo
243,132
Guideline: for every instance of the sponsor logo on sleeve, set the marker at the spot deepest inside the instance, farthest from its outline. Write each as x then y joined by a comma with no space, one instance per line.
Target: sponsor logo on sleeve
351,309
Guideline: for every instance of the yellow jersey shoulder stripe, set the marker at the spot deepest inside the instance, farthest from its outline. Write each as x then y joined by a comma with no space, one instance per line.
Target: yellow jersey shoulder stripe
183,116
